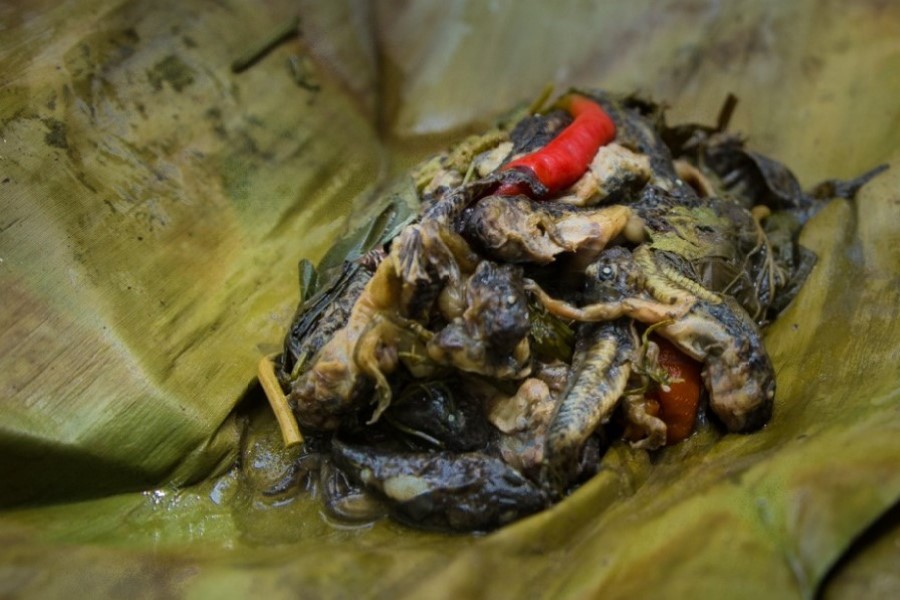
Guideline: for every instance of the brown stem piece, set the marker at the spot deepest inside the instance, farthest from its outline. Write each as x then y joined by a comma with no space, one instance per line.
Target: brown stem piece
290,431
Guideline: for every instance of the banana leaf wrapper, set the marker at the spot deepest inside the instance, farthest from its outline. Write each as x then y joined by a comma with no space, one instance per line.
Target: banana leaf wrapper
154,205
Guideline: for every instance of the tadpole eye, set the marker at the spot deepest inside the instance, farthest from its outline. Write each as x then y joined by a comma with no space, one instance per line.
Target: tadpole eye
606,272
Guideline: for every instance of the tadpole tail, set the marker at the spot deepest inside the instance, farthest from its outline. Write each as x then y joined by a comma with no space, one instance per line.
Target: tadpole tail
603,353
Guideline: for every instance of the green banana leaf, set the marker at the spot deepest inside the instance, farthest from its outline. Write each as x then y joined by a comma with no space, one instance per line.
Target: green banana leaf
154,206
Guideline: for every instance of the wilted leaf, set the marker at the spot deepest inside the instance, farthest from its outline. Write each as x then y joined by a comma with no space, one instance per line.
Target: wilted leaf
153,205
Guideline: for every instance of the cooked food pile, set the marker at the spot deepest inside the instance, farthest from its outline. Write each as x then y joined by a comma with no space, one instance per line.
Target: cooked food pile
583,276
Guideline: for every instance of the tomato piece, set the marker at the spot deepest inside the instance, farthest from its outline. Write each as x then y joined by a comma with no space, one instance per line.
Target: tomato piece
678,407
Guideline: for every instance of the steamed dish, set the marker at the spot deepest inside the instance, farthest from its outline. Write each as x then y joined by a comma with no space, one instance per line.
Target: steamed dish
579,276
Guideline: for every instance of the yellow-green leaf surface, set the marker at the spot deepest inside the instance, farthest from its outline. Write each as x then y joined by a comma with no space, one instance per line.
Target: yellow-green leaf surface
154,205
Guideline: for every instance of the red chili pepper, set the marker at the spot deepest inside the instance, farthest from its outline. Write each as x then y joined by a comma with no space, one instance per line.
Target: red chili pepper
565,159
678,407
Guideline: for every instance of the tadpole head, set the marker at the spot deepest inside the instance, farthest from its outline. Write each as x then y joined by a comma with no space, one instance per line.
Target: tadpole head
613,276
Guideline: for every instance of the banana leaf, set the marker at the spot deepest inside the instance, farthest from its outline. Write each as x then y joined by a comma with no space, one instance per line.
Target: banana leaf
154,206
